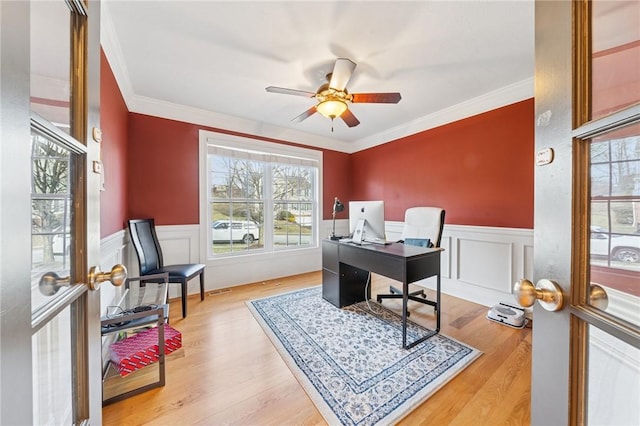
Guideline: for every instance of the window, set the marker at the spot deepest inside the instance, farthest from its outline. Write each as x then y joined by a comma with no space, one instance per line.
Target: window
615,199
51,201
261,197
57,93
61,314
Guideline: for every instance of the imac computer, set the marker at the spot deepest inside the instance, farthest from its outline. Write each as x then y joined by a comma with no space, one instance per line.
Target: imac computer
366,221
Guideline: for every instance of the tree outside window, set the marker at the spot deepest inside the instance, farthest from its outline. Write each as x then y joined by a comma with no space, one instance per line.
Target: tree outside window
249,191
51,203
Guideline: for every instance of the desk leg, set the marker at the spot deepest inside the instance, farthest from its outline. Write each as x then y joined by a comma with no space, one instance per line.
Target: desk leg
438,305
405,300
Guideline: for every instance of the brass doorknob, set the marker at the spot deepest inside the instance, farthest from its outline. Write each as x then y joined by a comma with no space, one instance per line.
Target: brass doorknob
546,292
117,276
598,297
51,282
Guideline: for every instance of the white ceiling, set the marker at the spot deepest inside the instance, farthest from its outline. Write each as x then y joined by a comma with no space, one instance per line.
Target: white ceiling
209,62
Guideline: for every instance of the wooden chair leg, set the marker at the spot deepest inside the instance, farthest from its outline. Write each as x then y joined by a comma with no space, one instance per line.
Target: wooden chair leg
202,285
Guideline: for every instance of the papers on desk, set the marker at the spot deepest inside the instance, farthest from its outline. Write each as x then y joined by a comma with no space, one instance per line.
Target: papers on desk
365,242
378,241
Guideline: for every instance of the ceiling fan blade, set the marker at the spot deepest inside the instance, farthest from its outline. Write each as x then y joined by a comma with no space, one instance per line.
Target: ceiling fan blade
305,114
274,89
376,98
341,74
350,119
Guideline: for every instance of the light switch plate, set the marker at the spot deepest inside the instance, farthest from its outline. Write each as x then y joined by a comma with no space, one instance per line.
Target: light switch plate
544,156
97,134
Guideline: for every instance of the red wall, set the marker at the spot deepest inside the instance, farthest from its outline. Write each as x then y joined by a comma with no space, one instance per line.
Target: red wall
480,170
163,170
113,121
336,182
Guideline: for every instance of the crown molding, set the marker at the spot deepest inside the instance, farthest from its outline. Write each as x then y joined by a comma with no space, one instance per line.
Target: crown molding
506,95
113,52
143,105
172,111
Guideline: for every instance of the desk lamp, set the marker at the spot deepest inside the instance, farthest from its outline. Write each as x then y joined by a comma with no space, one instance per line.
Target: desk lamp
337,207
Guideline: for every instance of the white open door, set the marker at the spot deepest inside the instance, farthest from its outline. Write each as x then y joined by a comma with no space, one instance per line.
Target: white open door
50,346
586,357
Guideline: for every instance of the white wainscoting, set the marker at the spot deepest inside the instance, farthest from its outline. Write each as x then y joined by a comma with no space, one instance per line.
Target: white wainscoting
112,251
180,244
479,263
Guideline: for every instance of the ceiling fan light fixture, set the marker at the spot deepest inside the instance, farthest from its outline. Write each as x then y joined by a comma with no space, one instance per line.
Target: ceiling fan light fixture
333,98
331,108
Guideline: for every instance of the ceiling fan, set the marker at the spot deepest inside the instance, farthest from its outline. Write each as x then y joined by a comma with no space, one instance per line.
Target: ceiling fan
333,97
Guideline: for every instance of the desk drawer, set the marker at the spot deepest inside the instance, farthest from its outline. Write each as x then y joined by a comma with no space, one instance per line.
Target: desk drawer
330,255
427,266
346,287
374,261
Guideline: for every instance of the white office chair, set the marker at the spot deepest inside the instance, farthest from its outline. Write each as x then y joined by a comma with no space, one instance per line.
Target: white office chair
422,226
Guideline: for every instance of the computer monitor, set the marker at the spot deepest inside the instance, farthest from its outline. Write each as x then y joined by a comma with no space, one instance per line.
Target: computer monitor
373,214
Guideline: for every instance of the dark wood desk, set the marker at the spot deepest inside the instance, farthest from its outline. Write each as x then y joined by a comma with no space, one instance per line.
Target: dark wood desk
346,267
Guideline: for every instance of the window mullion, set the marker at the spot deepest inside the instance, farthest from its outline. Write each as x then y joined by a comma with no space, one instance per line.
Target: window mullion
268,205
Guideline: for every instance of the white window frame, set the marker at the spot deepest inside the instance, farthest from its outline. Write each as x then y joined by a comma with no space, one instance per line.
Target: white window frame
307,254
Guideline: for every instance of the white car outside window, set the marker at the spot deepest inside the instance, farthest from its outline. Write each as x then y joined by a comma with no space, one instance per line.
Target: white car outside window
226,230
624,248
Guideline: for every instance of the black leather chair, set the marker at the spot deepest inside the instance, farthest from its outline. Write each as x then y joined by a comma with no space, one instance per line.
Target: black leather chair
422,226
145,242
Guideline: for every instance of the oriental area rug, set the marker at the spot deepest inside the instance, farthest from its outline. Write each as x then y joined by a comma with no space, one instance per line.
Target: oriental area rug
350,361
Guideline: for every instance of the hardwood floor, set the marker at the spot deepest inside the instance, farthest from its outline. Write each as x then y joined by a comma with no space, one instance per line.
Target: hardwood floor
229,373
